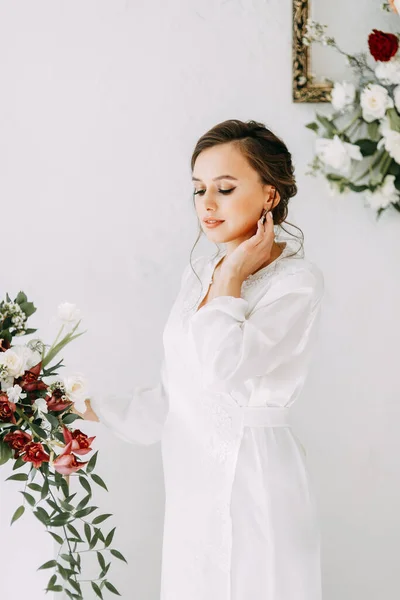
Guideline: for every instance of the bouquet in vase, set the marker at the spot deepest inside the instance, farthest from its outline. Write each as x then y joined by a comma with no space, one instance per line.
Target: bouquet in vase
37,410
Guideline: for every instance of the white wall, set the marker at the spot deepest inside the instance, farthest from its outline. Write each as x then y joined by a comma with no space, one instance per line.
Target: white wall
101,105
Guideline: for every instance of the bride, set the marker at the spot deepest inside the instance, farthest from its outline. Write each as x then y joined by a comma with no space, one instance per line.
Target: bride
240,515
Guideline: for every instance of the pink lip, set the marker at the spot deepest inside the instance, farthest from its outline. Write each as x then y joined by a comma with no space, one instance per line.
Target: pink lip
211,225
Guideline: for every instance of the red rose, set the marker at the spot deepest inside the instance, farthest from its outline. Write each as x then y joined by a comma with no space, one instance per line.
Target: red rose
56,403
80,441
17,440
34,453
66,463
7,409
383,46
30,381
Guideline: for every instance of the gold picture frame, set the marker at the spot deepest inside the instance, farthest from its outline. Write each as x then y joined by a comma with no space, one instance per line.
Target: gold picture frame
304,89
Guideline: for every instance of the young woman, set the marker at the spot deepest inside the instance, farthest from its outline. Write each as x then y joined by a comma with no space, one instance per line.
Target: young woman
240,517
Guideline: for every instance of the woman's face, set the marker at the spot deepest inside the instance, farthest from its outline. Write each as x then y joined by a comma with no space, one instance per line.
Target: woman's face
228,188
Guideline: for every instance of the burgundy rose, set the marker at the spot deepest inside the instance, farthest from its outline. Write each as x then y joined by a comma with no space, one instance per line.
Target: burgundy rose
80,441
30,381
7,409
66,463
17,440
4,345
56,403
383,46
34,453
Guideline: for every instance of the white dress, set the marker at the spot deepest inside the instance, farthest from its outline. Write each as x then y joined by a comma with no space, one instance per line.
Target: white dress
240,516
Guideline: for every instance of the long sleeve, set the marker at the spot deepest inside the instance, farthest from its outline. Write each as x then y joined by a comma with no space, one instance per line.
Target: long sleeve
232,346
137,417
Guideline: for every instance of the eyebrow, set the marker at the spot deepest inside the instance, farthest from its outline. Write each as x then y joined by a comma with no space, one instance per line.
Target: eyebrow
217,178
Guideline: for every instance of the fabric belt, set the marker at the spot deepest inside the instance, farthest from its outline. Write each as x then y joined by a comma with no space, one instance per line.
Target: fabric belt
266,416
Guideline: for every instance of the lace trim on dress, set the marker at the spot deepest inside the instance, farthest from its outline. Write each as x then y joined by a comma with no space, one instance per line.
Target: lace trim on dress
207,265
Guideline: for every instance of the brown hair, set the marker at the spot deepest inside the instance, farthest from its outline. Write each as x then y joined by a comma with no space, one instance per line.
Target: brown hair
266,153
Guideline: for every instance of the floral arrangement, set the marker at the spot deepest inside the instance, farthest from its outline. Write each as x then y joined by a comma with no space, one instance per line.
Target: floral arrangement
358,143
35,432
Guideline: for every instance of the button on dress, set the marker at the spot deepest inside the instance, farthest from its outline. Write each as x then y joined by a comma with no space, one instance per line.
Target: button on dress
240,515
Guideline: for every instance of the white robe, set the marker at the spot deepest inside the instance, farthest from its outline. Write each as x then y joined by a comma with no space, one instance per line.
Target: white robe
240,516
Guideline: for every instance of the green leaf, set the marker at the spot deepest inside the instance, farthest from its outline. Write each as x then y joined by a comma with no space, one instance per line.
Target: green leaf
329,126
58,538
51,419
70,418
73,530
101,560
104,572
373,130
21,297
109,537
59,520
85,484
95,539
18,477
30,331
118,554
88,533
38,430
45,489
18,513
28,308
314,126
47,565
29,498
54,588
367,147
52,580
99,481
35,487
92,462
18,463
66,505
42,515
357,188
5,452
75,585
101,518
394,119
96,589
83,502
65,573
112,589
85,511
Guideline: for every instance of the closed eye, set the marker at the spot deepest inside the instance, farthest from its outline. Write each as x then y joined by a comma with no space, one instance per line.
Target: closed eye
201,192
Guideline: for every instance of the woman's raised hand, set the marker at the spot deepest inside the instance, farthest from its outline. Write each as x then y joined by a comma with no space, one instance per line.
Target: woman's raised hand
89,414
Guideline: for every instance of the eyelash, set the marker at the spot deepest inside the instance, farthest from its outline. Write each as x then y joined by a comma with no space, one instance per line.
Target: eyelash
222,191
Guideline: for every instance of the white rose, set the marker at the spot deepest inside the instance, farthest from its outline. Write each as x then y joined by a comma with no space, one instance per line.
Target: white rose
19,359
389,71
390,140
383,195
13,361
396,96
375,100
68,313
7,383
76,390
337,154
343,95
15,393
